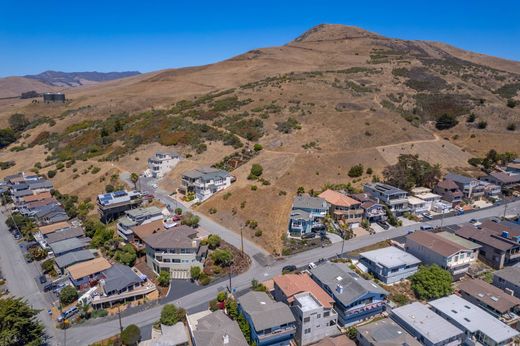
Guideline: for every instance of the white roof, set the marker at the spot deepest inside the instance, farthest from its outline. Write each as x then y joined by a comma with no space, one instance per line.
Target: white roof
428,195
390,257
426,322
473,318
415,201
307,301
420,189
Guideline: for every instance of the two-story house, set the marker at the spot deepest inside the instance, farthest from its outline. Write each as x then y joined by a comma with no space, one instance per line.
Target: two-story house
508,279
395,198
306,213
311,305
384,332
470,187
449,191
355,299
87,273
373,211
175,250
112,205
136,217
271,323
503,179
204,182
162,163
432,248
500,242
342,207
389,264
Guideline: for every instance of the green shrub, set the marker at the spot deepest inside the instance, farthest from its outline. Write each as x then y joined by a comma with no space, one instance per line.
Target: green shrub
471,118
214,241
164,278
356,171
511,127
482,124
68,295
131,335
445,122
171,314
51,173
432,282
258,147
222,257
195,272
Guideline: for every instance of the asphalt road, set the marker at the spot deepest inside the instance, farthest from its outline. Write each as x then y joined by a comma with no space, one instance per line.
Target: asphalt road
86,334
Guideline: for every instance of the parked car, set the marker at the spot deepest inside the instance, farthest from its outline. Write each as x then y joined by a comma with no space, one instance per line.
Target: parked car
68,313
289,268
48,287
426,227
427,215
312,265
308,235
383,225
42,279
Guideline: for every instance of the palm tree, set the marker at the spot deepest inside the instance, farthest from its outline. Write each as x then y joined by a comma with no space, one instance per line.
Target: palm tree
134,177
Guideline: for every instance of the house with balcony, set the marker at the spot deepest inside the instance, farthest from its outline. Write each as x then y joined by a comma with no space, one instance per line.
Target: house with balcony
508,279
205,182
449,191
175,250
214,329
428,327
471,188
343,208
479,327
113,205
311,306
307,213
393,197
389,264
384,332
425,194
87,273
373,211
513,167
432,248
355,299
136,217
162,163
499,242
491,299
504,180
271,322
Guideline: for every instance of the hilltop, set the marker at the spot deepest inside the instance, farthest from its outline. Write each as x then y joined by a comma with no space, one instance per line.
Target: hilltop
334,97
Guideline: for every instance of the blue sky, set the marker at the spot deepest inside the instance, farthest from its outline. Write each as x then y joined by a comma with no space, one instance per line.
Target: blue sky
114,35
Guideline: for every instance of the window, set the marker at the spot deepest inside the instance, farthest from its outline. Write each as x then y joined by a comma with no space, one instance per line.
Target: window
307,331
326,314
306,319
319,316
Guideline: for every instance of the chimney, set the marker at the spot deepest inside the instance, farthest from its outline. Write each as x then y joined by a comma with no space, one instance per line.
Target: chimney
339,289
225,339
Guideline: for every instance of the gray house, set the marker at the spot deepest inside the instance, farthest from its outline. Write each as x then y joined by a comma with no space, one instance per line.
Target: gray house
429,328
508,279
307,212
390,264
384,332
470,187
63,247
395,198
215,329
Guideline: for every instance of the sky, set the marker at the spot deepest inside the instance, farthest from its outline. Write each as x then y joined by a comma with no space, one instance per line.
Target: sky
114,35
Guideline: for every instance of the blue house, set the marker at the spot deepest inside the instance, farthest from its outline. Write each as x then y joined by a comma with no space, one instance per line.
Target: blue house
355,299
307,213
271,323
389,264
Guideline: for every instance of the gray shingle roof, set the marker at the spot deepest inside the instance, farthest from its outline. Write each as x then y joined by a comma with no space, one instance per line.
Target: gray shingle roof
354,286
67,233
307,202
211,329
265,312
67,245
459,178
118,277
206,173
177,237
386,332
391,257
509,274
73,257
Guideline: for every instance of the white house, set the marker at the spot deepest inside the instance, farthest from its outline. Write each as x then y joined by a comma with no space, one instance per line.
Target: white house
204,182
160,164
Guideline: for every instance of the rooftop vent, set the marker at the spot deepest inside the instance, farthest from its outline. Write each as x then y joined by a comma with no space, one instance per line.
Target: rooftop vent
339,289
493,298
225,339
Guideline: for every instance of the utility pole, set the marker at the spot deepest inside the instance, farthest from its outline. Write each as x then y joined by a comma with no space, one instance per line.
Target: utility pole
119,316
342,242
229,273
242,239
505,210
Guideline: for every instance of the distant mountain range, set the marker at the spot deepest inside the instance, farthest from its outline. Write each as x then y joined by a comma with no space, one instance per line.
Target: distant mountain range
73,79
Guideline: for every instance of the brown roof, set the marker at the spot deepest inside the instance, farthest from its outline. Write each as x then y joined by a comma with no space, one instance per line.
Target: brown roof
512,228
292,284
176,237
436,243
96,265
37,197
447,184
337,198
489,295
147,229
506,178
485,236
340,340
42,202
54,227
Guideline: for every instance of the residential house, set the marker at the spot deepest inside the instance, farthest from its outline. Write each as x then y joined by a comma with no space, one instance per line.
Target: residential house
307,213
478,326
63,247
175,335
162,163
491,299
120,284
503,179
513,167
428,327
372,210
432,248
271,323
214,329
175,250
491,190
312,307
470,187
339,340
204,182
427,196
500,242
86,273
112,205
389,264
449,191
71,258
355,299
342,207
136,217
508,279
384,332
67,233
417,205
54,227
35,197
32,208
50,214
395,198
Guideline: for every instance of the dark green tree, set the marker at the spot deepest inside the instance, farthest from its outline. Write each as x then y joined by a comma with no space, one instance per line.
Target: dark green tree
19,324
171,314
431,282
213,241
445,122
131,335
164,278
68,295
222,257
409,171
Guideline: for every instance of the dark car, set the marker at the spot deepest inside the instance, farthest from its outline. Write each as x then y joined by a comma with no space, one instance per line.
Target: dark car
48,287
289,268
384,225
42,279
309,235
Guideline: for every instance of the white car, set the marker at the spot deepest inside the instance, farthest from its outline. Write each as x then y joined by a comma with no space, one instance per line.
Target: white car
312,265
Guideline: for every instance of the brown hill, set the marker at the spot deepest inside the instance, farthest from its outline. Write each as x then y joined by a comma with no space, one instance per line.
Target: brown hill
333,97
15,86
